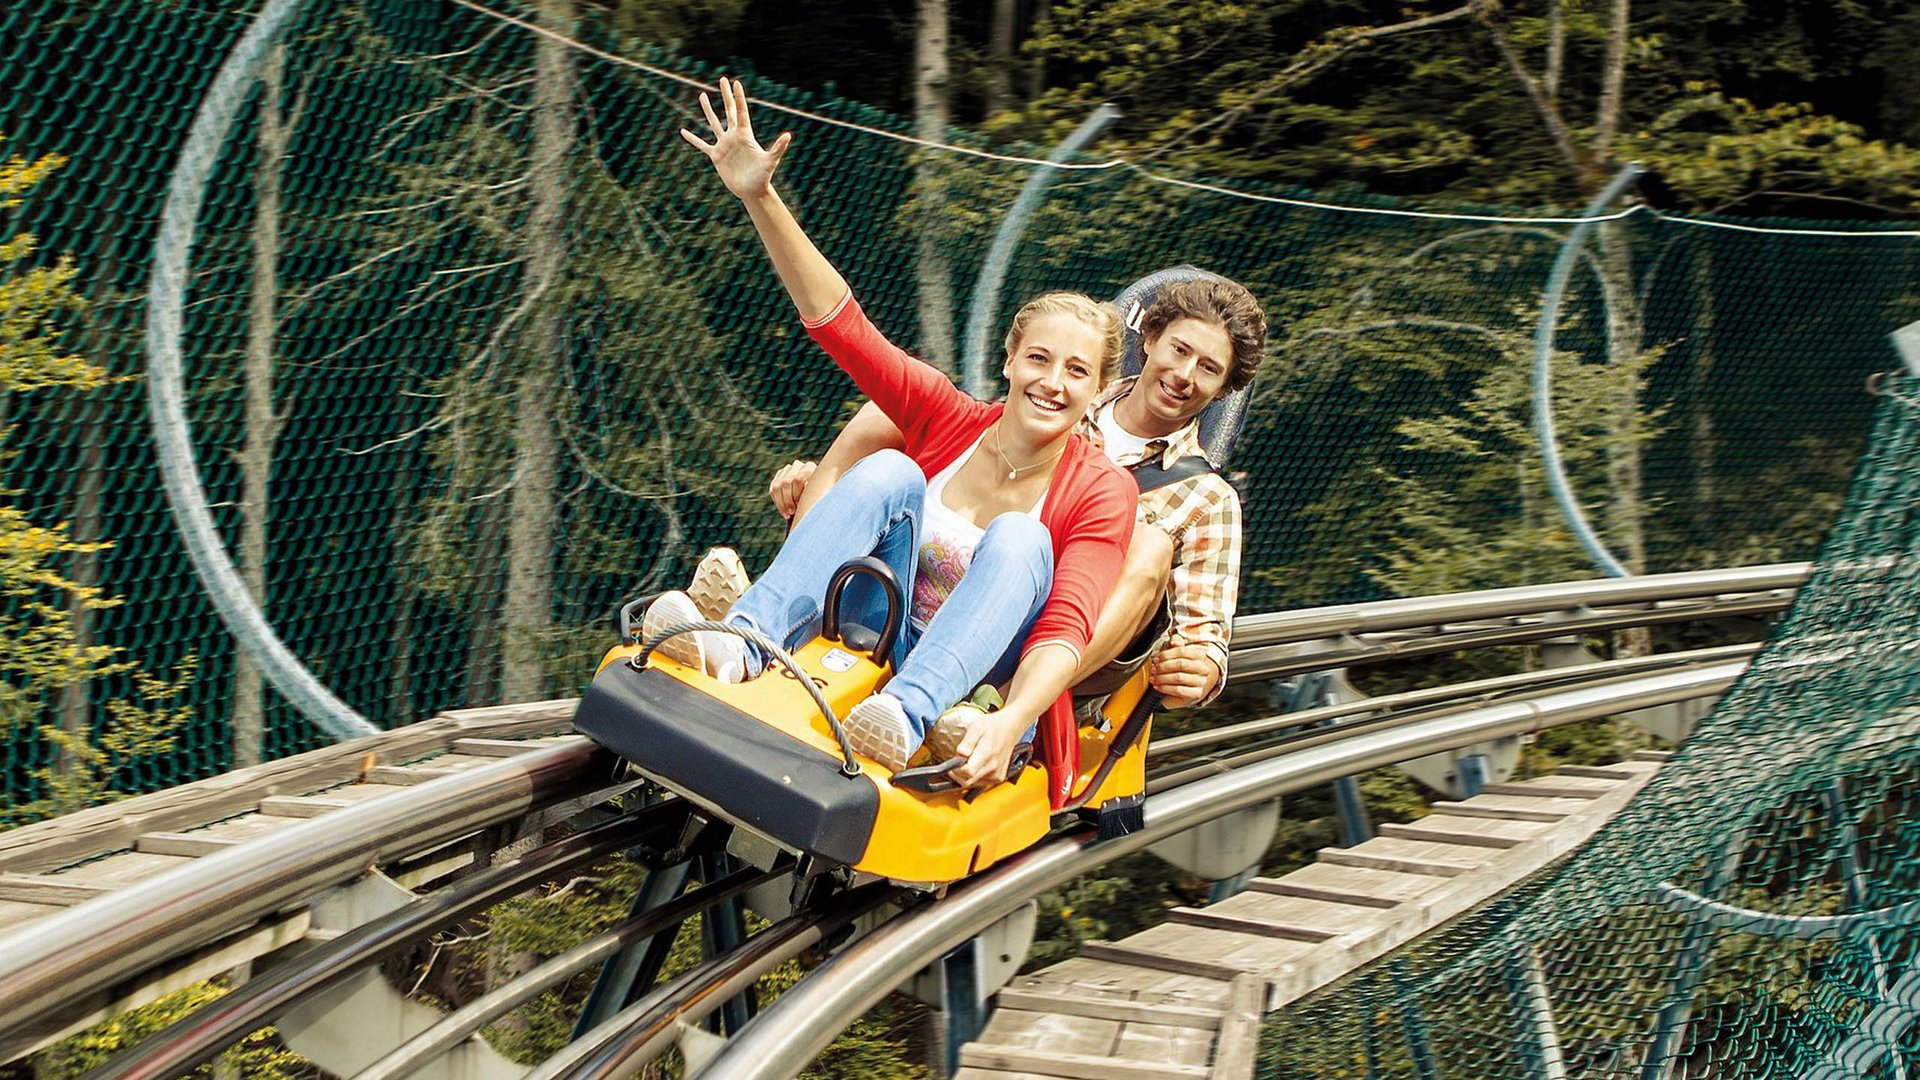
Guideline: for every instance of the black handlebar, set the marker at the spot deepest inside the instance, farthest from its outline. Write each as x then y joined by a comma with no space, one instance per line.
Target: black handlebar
880,572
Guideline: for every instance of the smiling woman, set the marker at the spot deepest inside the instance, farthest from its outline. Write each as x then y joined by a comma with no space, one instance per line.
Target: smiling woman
1005,526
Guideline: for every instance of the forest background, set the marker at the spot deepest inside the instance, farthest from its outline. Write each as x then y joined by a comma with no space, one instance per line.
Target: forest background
476,352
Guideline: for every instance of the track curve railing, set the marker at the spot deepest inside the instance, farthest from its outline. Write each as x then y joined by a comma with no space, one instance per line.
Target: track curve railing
104,942
806,1018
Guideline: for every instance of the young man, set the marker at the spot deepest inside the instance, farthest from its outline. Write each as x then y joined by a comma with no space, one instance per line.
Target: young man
1202,339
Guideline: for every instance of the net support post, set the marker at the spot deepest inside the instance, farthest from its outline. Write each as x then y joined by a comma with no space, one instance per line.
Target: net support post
976,364
1689,962
1557,482
1906,341
1413,1025
1527,979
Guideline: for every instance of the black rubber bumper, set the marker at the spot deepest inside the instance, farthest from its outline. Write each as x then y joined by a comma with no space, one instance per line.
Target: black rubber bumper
755,774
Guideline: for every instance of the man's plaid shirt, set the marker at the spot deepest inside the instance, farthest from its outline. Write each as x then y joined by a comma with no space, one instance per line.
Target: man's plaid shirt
1202,515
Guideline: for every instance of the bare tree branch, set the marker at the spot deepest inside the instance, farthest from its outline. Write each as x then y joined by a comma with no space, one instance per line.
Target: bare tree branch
1549,110
1307,62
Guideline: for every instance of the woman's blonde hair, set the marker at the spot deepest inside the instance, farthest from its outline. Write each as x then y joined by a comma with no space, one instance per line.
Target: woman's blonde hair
1097,314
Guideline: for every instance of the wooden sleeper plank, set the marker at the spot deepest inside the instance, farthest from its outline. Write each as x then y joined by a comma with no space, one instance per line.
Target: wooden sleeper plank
1126,1012
1499,812
1442,834
1155,961
405,775
1241,924
191,845
495,748
1382,884
1547,789
1283,887
1072,1066
1598,772
47,889
1404,864
300,806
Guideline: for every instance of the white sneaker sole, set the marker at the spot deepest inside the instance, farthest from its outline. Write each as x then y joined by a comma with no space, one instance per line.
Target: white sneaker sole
879,734
718,582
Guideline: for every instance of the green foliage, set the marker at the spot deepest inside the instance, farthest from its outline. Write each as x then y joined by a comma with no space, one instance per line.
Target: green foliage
146,723
1718,151
1418,99
40,653
258,1056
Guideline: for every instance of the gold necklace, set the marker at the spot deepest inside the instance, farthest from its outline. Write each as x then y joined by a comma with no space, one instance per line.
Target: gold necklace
1014,473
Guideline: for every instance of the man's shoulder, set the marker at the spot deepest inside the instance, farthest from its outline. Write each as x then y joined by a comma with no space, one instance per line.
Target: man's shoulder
1205,496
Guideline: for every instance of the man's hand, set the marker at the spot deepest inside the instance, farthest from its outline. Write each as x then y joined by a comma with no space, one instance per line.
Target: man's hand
1183,673
788,484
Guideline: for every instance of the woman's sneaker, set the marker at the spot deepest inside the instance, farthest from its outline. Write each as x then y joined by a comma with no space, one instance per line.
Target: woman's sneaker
717,582
716,652
878,729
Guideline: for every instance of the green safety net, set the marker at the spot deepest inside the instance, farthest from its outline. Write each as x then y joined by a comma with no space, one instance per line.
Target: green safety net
526,361
1752,913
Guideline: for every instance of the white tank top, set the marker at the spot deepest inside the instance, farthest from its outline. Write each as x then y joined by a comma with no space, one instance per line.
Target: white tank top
947,543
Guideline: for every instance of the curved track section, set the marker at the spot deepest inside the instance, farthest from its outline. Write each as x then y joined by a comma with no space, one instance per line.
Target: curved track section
240,899
804,1020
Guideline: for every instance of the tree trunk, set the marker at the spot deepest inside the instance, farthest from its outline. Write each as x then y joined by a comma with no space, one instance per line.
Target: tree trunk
90,429
1002,32
1606,120
932,111
1036,69
485,642
527,607
263,428
1705,442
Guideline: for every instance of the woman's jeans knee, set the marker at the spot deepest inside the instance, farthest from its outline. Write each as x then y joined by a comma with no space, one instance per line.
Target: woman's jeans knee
875,509
977,635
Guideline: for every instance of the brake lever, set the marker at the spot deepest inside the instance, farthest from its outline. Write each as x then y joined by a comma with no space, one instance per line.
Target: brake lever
930,779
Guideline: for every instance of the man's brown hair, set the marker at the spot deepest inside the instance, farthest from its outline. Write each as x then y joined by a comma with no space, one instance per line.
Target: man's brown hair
1218,301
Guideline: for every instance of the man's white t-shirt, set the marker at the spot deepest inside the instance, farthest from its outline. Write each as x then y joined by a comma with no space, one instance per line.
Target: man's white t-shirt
1123,446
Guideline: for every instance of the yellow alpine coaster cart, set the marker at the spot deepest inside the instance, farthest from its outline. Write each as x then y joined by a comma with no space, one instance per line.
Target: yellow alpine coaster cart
769,756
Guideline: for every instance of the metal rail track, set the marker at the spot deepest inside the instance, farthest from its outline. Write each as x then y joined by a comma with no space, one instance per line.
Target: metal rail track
795,1028
72,962
645,1029
154,923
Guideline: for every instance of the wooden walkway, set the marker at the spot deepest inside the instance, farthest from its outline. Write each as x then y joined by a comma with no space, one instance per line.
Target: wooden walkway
1185,998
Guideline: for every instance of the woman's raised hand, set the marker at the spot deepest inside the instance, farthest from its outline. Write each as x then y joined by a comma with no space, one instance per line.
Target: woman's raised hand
744,165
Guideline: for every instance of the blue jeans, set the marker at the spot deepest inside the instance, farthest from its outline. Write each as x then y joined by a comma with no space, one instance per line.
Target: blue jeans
875,509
